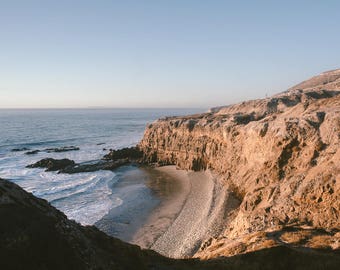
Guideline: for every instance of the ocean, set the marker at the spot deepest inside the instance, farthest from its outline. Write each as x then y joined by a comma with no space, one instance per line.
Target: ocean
84,197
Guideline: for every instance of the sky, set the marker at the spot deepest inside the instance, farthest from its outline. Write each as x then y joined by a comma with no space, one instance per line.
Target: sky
70,54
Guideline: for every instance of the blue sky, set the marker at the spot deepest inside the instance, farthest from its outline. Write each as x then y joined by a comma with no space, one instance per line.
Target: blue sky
161,53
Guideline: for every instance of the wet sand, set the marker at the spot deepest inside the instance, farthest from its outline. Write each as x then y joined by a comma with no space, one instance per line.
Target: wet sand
137,202
142,191
168,210
177,227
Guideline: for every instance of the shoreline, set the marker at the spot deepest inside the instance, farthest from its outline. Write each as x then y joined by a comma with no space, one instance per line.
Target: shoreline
177,227
161,218
137,202
143,191
168,210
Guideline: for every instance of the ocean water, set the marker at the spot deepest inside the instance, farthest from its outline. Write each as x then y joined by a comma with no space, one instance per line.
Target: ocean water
84,197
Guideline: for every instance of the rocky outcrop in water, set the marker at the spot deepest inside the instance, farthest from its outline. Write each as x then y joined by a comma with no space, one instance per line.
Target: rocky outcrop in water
53,150
52,164
110,162
33,152
95,166
19,149
279,156
62,149
69,166
35,235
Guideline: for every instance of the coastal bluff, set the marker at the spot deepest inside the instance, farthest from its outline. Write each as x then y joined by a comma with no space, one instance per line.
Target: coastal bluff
279,156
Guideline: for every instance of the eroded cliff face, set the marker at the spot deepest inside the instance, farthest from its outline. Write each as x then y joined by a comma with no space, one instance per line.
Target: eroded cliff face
280,156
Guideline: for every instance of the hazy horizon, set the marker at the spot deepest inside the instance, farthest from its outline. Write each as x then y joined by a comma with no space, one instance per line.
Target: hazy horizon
102,108
159,54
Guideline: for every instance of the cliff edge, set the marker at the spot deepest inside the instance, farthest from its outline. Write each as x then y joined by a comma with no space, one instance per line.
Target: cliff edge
279,156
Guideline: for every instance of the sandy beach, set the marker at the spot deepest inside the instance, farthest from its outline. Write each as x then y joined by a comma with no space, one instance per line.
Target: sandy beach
177,227
150,200
168,210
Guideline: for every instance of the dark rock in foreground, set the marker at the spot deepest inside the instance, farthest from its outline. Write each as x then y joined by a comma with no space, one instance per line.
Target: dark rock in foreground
35,235
52,164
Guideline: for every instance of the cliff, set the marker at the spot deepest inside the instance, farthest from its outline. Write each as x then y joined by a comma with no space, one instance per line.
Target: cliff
279,156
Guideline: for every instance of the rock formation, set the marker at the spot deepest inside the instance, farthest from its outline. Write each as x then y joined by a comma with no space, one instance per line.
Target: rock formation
19,149
69,166
51,150
52,164
279,156
111,161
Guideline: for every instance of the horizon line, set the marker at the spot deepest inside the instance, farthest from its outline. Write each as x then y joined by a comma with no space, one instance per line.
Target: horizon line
96,108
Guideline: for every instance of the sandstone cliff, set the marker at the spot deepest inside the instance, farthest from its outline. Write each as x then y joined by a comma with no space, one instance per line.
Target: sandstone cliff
279,156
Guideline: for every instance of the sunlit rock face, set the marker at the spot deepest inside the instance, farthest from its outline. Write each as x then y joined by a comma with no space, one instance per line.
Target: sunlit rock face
280,156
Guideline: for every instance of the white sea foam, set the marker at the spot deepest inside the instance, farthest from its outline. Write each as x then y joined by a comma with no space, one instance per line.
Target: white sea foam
85,197
89,213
